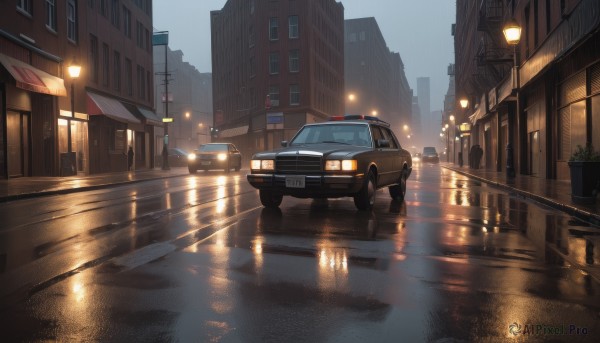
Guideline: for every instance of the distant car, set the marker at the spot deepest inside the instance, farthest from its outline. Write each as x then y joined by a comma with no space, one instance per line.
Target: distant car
347,156
215,156
430,155
417,157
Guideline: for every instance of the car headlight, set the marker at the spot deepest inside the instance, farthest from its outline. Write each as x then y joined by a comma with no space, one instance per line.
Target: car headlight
345,165
267,165
222,157
191,157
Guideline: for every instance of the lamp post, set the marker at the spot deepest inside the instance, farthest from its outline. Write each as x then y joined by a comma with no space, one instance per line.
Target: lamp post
512,33
74,70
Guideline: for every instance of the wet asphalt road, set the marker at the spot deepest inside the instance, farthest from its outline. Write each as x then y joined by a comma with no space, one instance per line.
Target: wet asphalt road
197,259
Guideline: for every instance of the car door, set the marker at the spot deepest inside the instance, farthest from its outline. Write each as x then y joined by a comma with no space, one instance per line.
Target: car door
235,155
397,160
383,158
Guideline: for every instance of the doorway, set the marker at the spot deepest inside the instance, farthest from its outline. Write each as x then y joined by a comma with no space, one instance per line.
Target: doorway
17,140
534,153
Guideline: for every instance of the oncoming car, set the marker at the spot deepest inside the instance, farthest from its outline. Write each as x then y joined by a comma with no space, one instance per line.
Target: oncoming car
430,155
348,156
215,156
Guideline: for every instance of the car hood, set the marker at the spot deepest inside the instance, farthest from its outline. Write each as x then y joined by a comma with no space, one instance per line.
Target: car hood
328,151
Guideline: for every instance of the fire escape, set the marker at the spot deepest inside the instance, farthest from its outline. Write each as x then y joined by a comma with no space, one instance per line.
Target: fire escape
493,57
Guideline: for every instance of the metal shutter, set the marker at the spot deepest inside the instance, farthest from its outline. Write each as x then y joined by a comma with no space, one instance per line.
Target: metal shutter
573,89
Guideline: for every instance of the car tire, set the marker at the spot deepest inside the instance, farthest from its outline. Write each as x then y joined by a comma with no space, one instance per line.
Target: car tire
270,199
398,192
365,199
192,170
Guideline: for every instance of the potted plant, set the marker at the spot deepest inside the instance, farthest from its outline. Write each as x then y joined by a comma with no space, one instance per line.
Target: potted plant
584,165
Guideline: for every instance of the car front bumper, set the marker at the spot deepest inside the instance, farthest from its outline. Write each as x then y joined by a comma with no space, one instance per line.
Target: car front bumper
314,185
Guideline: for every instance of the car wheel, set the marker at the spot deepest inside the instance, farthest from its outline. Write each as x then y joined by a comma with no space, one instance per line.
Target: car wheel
397,192
192,170
365,199
270,199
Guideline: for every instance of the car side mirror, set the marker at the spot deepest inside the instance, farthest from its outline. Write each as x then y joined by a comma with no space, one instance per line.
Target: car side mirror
284,144
383,143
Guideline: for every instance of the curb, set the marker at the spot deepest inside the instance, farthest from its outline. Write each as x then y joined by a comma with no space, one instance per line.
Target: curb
589,217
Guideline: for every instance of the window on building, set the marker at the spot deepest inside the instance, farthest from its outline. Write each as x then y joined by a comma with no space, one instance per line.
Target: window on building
147,40
252,66
126,22
105,65
149,85
273,63
536,24
24,6
115,13
273,29
352,37
293,26
141,83
117,71
294,95
104,7
251,36
128,77
294,61
94,57
274,95
72,20
362,36
51,14
139,34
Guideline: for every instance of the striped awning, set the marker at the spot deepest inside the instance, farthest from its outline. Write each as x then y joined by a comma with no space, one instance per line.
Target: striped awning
32,79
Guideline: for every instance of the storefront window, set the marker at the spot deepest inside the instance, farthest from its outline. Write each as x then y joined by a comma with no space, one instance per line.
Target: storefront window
63,136
596,122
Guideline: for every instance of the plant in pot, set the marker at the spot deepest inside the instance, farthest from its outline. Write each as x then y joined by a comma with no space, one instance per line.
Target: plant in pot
584,165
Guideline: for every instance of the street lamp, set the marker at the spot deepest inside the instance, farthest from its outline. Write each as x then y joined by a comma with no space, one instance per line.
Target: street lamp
351,97
512,33
464,103
374,112
74,70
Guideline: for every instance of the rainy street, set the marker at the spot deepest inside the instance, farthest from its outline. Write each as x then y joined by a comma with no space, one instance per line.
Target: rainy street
197,258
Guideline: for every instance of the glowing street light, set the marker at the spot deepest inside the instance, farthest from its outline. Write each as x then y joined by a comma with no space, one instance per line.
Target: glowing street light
464,103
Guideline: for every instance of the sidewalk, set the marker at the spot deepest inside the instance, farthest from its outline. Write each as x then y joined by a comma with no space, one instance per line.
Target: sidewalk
29,187
554,193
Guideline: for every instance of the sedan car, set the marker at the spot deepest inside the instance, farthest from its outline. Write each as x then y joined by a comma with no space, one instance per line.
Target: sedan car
215,156
430,155
347,156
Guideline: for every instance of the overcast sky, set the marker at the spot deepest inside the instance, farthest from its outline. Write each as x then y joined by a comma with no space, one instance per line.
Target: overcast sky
418,29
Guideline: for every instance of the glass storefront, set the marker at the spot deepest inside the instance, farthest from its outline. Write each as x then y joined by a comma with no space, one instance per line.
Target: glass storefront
79,142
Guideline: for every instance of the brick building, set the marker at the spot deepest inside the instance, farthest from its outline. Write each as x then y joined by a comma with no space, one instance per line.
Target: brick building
374,75
289,52
50,130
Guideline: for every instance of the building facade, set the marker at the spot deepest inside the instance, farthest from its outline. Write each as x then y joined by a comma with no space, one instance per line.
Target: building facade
375,80
276,65
541,99
53,124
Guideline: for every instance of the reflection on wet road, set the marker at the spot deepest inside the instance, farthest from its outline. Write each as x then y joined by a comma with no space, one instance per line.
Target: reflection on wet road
457,261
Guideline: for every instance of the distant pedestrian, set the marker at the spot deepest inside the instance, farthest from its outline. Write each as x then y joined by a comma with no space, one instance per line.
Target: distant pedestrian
130,158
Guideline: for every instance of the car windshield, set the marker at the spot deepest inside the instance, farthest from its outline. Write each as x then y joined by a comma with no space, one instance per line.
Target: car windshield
351,134
213,147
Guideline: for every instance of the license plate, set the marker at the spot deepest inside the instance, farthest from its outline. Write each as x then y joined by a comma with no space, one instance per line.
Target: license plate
294,182
205,163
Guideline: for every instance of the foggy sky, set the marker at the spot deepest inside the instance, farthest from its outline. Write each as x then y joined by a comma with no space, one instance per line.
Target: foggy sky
418,29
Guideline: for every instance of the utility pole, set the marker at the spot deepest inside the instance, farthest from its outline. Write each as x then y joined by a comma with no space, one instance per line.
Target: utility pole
162,38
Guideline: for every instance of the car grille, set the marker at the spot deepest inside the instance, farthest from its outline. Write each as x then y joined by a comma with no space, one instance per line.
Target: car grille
298,164
207,157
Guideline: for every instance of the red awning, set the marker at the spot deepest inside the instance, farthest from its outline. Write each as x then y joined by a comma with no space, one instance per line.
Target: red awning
33,79
112,108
